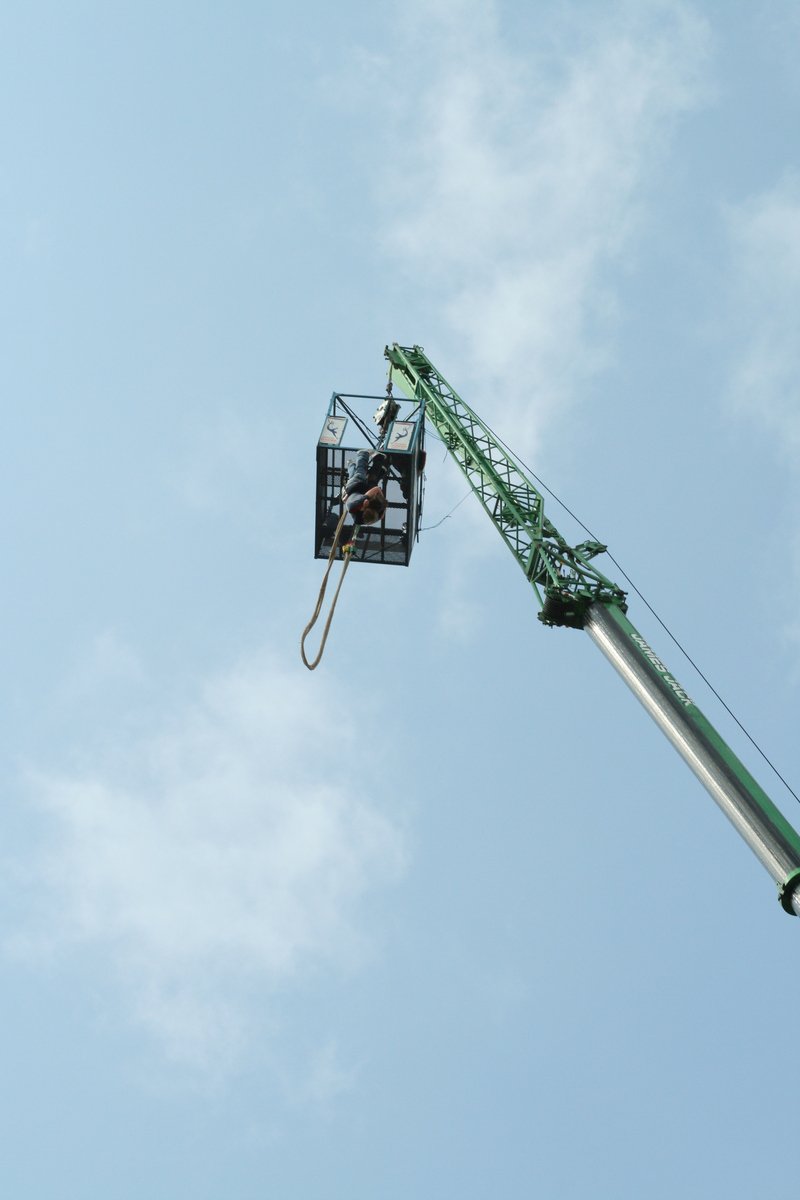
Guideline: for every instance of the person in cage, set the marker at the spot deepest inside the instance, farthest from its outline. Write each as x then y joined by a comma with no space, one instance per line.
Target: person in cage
361,495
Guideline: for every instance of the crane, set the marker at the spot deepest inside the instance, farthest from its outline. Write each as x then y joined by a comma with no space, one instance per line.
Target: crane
573,593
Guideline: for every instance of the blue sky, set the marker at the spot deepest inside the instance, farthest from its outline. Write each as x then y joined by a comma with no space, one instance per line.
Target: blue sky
447,917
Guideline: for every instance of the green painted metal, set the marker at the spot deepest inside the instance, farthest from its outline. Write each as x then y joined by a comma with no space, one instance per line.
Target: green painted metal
567,585
563,577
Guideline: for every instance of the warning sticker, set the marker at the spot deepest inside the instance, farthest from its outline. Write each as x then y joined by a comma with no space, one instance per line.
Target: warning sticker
401,435
333,431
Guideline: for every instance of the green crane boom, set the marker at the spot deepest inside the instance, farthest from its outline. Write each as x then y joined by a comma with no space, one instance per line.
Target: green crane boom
572,592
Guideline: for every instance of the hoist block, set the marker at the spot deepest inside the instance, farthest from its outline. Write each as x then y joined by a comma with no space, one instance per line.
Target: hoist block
346,430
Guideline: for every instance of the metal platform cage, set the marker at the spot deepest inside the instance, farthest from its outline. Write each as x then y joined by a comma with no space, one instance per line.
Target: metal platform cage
350,427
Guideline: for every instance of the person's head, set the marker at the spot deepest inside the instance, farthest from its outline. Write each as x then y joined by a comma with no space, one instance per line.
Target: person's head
372,507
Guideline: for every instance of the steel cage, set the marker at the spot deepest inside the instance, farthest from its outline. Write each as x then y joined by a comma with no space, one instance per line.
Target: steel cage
349,426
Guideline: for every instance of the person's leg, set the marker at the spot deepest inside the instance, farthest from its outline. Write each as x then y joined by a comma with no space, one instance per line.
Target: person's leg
377,467
357,473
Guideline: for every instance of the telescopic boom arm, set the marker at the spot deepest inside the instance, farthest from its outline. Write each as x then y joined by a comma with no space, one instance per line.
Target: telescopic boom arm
572,592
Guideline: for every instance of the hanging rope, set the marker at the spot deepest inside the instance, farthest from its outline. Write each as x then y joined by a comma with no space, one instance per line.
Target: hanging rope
346,551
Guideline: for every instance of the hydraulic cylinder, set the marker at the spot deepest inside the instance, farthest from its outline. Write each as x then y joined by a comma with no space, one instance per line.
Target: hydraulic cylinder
767,832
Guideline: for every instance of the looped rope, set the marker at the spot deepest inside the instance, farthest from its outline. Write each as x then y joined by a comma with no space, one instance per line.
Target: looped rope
346,550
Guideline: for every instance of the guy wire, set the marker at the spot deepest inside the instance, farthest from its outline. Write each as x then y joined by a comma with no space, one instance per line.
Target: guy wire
649,606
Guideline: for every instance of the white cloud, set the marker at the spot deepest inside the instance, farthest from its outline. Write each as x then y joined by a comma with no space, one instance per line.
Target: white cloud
763,301
765,293
217,861
108,662
327,1077
520,180
520,177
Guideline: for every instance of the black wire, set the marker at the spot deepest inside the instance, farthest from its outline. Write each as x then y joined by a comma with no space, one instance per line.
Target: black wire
647,603
706,680
644,600
367,434
426,528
